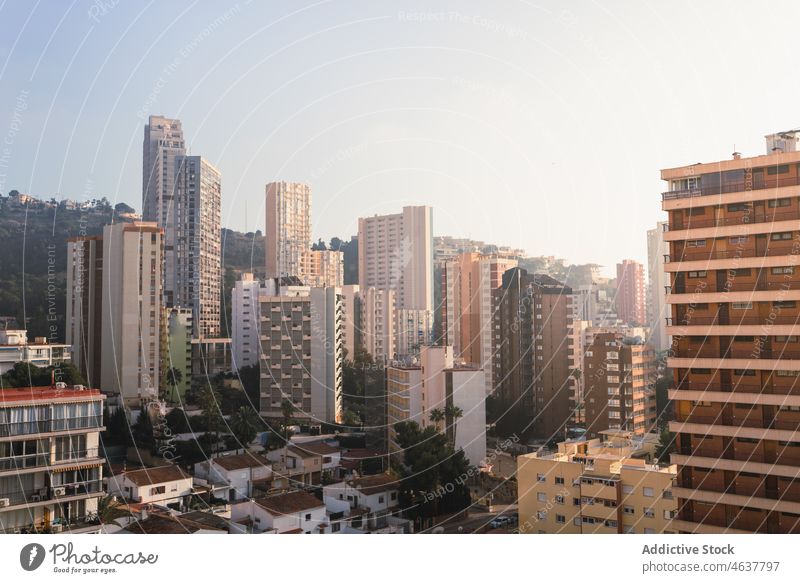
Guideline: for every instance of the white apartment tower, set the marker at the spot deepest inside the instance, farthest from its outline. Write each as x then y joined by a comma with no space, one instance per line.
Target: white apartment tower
197,275
657,311
378,323
288,227
163,145
245,313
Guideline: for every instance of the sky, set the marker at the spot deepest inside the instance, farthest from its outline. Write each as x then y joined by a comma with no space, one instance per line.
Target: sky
540,125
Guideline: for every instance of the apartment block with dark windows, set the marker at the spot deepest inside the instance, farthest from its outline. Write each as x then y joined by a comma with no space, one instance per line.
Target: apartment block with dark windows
734,299
620,385
531,344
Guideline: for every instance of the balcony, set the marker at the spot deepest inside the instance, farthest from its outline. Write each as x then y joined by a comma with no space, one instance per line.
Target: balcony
731,187
709,255
720,320
733,221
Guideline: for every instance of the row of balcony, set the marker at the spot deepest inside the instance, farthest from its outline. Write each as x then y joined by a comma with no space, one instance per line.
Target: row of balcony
52,493
44,460
740,219
711,254
50,425
702,286
731,187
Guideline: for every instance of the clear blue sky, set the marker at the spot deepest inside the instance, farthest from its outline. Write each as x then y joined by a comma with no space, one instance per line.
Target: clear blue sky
540,125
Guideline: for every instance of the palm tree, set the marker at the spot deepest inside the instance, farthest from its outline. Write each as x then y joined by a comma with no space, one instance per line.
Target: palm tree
244,425
453,414
173,377
436,417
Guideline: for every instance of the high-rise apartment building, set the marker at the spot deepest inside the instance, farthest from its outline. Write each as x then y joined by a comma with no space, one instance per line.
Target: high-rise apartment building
51,467
657,249
620,375
378,323
598,486
163,145
467,283
132,310
322,268
734,291
182,195
114,308
245,313
197,255
288,227
631,292
302,350
531,344
396,252
351,298
85,305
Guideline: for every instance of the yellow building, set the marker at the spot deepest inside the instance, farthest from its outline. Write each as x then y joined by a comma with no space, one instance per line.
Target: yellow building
605,485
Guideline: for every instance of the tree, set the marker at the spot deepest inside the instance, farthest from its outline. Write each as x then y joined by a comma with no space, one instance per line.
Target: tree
432,474
118,431
208,399
244,425
436,417
172,378
287,409
666,445
109,509
453,414
351,418
143,431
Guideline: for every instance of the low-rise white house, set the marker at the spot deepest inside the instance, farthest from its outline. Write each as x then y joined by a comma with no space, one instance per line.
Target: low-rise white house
294,512
365,505
305,463
231,477
164,485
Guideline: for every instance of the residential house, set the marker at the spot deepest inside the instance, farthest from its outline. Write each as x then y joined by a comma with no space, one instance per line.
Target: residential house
165,485
294,512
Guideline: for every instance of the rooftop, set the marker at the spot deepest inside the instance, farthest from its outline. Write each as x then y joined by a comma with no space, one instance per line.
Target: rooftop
369,485
313,449
289,503
241,461
159,475
49,393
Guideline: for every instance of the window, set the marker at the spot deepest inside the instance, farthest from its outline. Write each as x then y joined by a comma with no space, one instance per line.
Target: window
700,370
559,500
741,305
775,203
576,501
695,274
541,515
576,521
541,497
738,207
787,270
649,513
649,531
559,479
629,510
626,489
786,339
381,499
158,490
784,304
778,169
540,477
740,240
696,243
742,272
560,519
308,517
647,492
780,237
393,496
742,372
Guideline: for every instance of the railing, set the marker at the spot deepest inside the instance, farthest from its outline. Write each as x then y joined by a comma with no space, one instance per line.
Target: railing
730,187
730,286
16,497
49,425
719,320
727,254
749,219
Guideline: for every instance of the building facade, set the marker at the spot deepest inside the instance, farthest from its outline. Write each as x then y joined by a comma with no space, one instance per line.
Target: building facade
245,316
734,288
288,227
600,486
631,295
396,252
85,305
620,385
531,347
15,347
322,268
378,313
657,311
50,464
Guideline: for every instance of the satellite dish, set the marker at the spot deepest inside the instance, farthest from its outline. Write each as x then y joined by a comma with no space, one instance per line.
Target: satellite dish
438,530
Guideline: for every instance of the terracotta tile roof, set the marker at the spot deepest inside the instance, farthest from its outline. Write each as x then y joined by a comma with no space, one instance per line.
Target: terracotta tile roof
159,475
314,449
10,395
289,503
241,461
369,485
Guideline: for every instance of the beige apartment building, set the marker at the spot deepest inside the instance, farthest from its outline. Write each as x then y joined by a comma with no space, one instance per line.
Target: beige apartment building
378,323
600,486
114,308
631,298
322,268
733,294
467,284
288,227
396,252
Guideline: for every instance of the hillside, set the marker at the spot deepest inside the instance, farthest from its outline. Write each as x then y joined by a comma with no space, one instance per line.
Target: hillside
33,237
